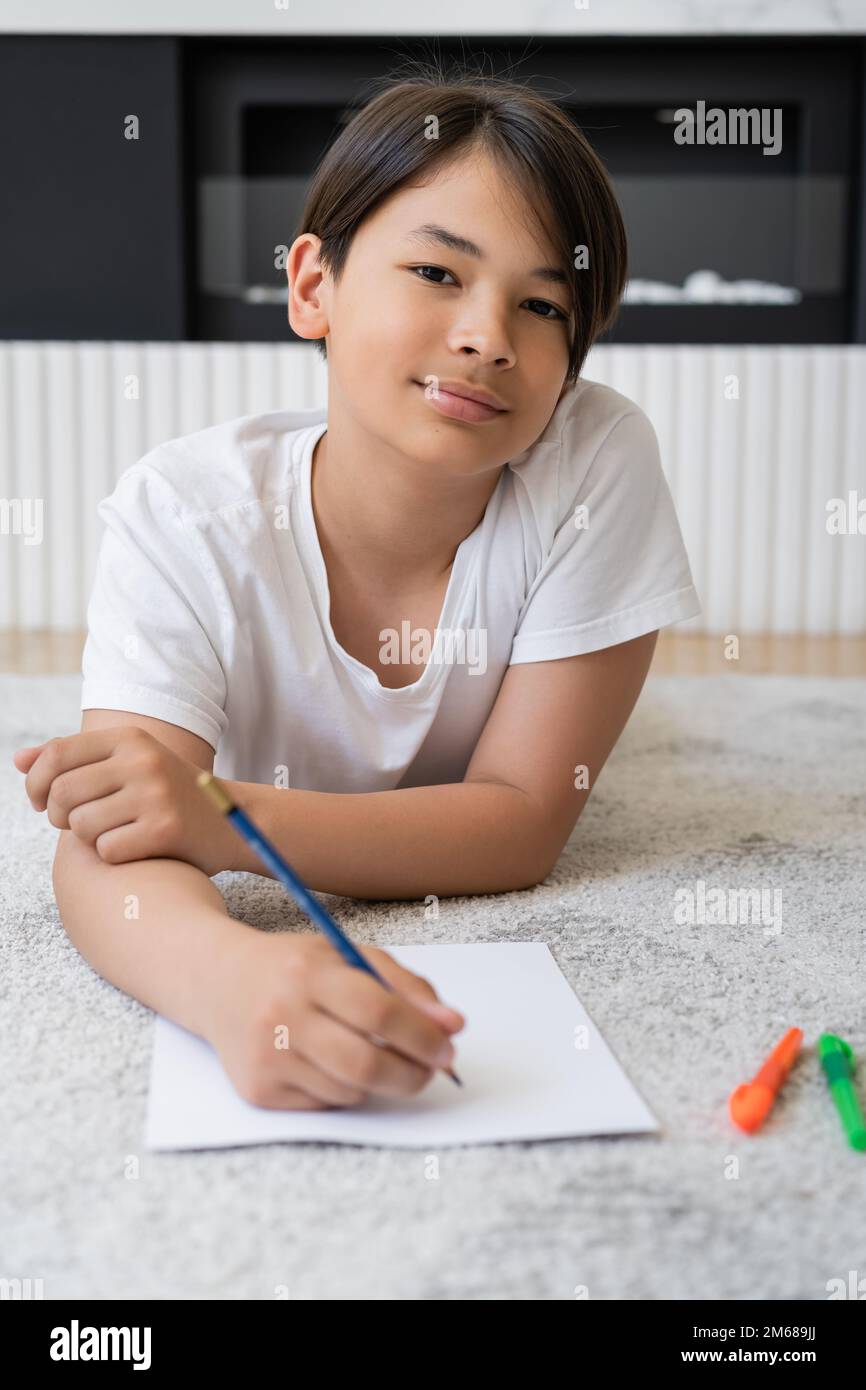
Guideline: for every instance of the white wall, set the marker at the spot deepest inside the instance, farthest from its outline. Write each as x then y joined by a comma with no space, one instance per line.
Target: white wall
750,474
404,18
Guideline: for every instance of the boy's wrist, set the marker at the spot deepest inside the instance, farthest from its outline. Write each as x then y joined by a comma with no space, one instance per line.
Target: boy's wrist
233,852
228,850
217,984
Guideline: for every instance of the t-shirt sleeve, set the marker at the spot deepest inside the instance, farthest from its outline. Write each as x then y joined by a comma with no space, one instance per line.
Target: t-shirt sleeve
154,623
617,566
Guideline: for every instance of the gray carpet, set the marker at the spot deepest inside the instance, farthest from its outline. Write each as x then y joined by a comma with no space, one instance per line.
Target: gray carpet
741,782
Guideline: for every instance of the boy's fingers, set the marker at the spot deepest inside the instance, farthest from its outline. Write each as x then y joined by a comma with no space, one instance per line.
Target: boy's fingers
450,1018
356,1000
24,758
64,753
418,991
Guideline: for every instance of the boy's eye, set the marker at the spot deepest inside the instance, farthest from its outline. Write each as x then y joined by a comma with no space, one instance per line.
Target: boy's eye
438,270
544,304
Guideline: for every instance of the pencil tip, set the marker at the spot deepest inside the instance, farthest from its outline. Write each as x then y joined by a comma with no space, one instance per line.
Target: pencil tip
455,1077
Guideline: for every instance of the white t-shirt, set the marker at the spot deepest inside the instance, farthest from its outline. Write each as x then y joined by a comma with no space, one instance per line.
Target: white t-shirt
210,604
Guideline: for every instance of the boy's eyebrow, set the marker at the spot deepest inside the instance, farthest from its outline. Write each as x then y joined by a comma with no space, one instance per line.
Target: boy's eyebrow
431,233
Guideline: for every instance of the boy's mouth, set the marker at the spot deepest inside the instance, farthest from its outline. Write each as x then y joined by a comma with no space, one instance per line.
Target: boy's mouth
458,406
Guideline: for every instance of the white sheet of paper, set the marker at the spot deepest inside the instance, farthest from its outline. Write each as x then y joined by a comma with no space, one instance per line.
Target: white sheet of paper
532,1063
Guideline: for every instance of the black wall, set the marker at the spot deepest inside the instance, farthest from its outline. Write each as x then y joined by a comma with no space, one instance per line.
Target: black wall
97,232
99,244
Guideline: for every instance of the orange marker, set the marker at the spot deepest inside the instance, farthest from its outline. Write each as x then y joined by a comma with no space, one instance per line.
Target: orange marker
751,1104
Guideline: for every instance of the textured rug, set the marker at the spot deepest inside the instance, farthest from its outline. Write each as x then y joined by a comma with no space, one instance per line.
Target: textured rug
725,783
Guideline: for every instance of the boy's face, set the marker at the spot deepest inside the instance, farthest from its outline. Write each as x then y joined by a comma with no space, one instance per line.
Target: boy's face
485,321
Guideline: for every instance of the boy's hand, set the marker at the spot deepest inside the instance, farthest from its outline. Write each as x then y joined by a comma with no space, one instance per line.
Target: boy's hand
294,1025
128,795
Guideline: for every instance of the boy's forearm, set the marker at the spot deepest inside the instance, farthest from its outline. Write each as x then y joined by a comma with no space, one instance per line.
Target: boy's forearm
453,838
156,928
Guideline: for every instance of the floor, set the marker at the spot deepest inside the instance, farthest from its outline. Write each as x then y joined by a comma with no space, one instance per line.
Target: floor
732,781
52,653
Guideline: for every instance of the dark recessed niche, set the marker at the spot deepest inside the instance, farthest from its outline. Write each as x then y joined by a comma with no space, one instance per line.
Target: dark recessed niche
727,243
174,237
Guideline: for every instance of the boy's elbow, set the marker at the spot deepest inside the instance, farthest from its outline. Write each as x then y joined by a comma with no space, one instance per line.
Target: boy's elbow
539,870
545,856
530,862
532,851
516,878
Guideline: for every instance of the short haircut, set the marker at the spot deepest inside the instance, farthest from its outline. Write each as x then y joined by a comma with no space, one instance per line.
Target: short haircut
561,177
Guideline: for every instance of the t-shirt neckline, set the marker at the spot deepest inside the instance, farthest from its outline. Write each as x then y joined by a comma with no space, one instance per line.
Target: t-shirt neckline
461,570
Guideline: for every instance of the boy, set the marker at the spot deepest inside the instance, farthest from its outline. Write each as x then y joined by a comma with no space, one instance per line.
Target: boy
464,479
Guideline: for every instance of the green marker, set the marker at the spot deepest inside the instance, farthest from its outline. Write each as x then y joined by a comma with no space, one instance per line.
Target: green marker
837,1059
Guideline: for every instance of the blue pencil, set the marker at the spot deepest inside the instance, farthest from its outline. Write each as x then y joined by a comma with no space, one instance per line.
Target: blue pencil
289,879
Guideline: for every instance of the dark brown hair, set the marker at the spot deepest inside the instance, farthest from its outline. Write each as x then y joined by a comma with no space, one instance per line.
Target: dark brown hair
562,178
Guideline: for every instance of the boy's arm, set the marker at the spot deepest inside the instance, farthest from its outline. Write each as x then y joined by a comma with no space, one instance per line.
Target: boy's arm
448,839
502,828
156,928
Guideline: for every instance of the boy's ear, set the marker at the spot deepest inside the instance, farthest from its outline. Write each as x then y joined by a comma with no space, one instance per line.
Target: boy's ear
307,288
